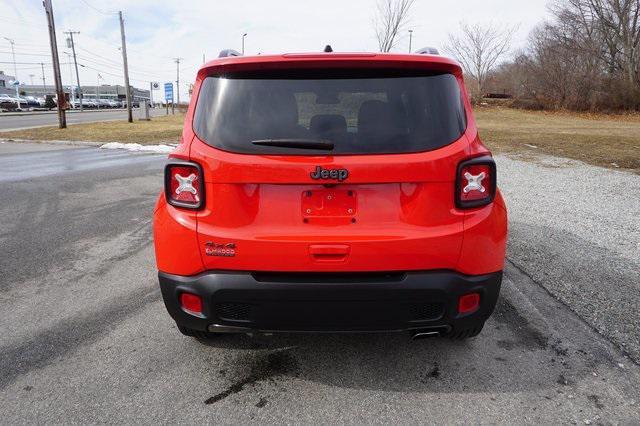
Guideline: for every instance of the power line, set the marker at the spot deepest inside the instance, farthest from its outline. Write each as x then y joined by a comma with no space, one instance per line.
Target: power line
30,44
24,63
138,69
110,73
119,63
103,64
111,64
35,67
23,22
48,64
89,59
97,9
26,54
147,53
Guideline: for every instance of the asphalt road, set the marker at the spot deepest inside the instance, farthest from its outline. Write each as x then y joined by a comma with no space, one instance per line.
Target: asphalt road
86,339
10,121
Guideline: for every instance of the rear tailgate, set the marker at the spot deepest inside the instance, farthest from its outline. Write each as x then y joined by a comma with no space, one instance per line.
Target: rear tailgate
387,215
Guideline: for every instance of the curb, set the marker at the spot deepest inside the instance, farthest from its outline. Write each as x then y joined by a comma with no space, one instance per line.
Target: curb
53,142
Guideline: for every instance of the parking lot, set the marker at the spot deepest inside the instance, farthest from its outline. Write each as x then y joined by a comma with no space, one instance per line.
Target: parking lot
87,339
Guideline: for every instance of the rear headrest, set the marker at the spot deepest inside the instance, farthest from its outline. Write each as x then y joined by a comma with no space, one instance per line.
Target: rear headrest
273,109
375,117
328,123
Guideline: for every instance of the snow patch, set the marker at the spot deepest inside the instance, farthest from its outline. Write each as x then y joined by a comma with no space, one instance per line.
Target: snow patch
158,149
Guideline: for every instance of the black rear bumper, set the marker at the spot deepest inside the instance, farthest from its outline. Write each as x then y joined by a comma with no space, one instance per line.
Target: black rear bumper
327,302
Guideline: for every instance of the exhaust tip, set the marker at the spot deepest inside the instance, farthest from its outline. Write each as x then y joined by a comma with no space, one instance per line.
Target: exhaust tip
424,335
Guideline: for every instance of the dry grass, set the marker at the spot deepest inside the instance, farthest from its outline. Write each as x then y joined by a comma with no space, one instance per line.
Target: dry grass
159,130
603,140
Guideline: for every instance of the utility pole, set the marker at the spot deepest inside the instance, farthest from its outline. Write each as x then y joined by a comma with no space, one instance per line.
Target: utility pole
13,53
31,78
73,49
98,90
15,70
62,101
126,69
410,39
73,92
177,61
44,81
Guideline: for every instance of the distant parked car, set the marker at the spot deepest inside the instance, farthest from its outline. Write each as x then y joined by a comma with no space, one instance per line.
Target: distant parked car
31,101
102,103
11,103
89,103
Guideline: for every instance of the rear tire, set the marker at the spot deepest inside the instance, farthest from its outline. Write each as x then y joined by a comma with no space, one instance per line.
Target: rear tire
465,333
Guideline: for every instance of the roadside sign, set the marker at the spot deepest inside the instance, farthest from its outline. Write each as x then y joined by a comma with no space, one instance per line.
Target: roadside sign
168,92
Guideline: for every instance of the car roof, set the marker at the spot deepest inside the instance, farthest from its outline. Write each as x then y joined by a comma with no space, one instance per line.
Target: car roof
329,60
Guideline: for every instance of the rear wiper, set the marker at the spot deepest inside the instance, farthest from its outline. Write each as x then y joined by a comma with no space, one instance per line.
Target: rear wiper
296,143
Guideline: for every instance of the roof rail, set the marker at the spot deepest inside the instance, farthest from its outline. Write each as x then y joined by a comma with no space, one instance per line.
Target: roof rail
229,52
427,51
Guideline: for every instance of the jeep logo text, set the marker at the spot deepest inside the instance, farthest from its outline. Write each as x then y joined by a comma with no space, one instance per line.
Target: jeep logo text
339,174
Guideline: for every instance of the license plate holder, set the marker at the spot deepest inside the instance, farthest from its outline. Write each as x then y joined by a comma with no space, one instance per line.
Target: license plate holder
329,206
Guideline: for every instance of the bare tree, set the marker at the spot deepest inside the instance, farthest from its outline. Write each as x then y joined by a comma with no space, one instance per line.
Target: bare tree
479,47
621,20
585,57
391,19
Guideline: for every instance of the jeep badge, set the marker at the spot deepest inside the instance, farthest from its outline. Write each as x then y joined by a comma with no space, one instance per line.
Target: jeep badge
339,174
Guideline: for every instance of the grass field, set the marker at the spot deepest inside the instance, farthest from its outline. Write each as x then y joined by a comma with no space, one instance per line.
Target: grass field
159,130
602,140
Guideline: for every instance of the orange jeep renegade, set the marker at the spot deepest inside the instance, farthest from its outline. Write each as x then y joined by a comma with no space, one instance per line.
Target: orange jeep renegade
330,192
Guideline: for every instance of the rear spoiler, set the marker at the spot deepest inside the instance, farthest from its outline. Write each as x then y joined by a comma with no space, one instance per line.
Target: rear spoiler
230,60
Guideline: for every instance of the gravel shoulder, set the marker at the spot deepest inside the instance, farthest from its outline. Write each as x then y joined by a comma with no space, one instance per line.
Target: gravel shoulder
575,229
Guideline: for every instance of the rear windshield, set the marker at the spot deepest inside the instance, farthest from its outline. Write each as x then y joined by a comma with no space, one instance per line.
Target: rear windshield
329,112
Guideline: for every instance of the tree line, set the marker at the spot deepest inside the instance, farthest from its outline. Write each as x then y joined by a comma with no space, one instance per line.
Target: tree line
586,56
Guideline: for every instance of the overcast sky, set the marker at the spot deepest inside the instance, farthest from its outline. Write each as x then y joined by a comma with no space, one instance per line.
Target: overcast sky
158,31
